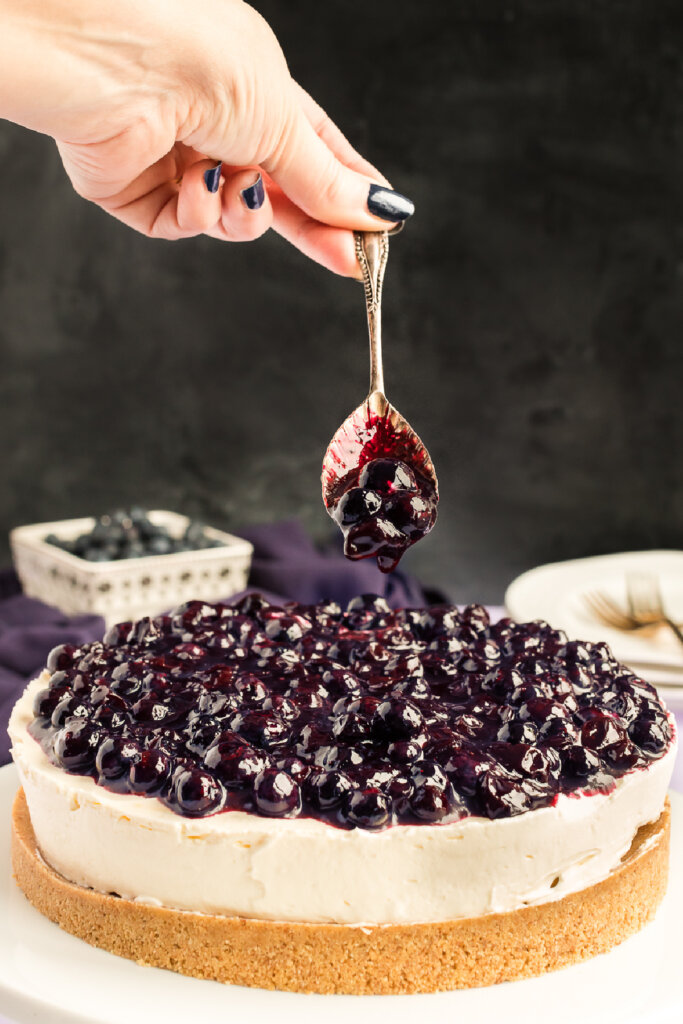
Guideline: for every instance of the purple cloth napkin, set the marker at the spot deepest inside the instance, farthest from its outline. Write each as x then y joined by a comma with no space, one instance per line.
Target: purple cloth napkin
286,566
287,562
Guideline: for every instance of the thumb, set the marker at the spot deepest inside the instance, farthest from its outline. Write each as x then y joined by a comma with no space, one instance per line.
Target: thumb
310,174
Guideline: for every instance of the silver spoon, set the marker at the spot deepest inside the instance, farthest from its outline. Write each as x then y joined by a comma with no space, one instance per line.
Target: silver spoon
375,429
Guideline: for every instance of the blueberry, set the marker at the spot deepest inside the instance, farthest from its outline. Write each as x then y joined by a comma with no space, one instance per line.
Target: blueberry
367,603
476,616
405,752
62,657
277,794
114,757
153,711
233,761
325,790
367,808
285,628
188,616
357,505
46,701
203,732
196,794
603,734
500,795
285,709
80,545
404,663
245,767
398,719
69,707
541,709
559,733
252,604
250,689
651,735
412,514
150,772
159,545
581,762
474,728
262,729
126,683
75,746
430,802
387,475
415,689
134,549
502,681
295,767
376,536
340,682
195,533
111,712
464,768
518,732
523,759
170,741
441,620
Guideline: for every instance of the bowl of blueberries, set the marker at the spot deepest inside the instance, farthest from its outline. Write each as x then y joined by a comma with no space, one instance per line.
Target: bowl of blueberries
128,563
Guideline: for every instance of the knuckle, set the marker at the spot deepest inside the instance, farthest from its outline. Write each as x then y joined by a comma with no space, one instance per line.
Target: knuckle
332,188
246,232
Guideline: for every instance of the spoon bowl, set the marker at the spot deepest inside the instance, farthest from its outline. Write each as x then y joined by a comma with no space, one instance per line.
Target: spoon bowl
406,507
374,430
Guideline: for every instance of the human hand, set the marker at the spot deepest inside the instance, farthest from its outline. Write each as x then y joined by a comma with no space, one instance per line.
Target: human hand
145,99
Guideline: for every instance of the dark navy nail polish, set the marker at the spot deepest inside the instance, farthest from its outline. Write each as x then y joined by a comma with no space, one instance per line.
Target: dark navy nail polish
253,196
389,205
212,178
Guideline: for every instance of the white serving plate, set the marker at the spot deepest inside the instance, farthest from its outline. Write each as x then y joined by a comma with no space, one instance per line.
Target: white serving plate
50,977
127,588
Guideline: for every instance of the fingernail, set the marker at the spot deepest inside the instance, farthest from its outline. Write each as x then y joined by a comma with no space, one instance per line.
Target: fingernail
389,205
253,196
212,177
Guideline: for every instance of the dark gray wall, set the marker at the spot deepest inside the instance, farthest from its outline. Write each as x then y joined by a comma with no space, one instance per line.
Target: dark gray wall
532,312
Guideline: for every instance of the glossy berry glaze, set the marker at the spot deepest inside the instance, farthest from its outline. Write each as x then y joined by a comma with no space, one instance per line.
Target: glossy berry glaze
364,718
380,492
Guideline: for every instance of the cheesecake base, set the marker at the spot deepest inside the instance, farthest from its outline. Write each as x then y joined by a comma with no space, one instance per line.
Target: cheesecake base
379,959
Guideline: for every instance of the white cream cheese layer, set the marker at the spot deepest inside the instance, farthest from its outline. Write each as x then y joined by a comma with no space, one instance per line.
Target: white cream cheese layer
241,864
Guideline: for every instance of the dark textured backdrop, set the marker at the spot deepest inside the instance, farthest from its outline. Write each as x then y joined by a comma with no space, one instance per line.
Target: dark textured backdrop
532,311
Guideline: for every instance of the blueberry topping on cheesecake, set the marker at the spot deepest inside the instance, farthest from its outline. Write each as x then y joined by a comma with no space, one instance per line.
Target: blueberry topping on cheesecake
363,718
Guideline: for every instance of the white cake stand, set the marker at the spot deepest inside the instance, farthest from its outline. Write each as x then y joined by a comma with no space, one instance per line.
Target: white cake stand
50,977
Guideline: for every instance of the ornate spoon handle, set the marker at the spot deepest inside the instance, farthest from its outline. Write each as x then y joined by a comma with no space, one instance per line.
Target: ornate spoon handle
372,250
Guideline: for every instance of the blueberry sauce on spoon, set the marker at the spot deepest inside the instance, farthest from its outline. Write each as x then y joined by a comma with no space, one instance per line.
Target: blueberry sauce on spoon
379,483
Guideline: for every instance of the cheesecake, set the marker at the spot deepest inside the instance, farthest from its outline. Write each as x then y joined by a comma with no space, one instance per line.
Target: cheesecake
360,800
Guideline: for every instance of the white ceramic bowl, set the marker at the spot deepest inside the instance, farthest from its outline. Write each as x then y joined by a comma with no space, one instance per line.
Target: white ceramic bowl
127,588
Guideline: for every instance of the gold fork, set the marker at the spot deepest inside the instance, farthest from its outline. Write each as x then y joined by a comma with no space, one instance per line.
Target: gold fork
646,604
610,613
645,607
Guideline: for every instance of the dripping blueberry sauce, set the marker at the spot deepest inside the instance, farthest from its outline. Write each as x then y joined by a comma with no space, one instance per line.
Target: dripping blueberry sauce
380,493
362,718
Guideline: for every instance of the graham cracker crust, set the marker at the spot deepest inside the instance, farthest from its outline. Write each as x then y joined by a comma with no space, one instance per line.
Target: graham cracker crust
380,960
